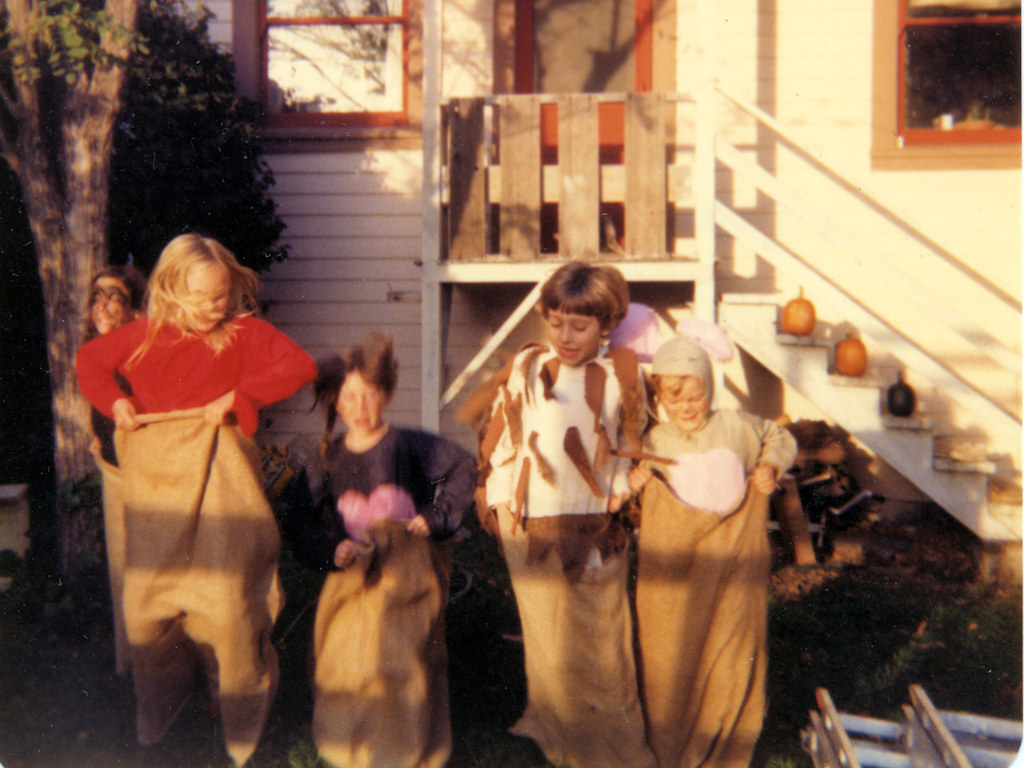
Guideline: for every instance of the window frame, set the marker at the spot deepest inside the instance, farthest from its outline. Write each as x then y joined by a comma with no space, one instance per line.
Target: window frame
655,42
888,150
914,136
643,16
343,119
323,130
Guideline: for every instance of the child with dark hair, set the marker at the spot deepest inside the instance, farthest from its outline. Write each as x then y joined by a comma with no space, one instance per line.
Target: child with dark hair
117,296
554,487
380,679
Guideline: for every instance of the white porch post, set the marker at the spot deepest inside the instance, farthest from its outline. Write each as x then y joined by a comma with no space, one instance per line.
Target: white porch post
704,161
430,314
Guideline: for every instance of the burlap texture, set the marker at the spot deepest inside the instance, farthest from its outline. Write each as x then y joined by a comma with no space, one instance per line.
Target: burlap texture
200,590
702,602
582,707
381,664
113,533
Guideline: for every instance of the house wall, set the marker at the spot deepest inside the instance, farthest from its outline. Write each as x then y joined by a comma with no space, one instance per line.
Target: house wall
354,237
811,65
353,232
354,217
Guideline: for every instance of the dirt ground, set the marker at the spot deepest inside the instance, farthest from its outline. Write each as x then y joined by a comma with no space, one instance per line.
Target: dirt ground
922,549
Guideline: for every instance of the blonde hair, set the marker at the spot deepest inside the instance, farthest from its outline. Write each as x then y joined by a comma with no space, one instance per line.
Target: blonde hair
170,302
579,288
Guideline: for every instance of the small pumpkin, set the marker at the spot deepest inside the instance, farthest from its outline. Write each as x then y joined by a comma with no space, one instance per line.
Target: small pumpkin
798,316
851,356
900,398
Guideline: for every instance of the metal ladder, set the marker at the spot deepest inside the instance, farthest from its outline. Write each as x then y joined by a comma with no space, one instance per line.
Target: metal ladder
927,738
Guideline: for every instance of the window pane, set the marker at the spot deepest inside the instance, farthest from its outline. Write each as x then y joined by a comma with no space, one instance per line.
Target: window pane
330,68
583,47
964,74
305,9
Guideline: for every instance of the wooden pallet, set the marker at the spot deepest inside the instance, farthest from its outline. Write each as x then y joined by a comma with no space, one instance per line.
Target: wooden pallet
927,738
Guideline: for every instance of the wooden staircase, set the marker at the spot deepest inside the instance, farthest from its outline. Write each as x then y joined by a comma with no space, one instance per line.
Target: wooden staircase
505,201
956,470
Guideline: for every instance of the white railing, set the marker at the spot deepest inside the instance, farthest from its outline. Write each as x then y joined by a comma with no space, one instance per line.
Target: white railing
859,308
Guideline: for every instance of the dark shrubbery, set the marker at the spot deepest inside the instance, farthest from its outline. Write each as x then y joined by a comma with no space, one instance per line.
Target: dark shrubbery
187,151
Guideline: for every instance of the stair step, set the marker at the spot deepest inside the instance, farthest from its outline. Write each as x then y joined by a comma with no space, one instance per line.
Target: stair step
789,340
967,467
1004,492
856,404
961,453
914,423
867,381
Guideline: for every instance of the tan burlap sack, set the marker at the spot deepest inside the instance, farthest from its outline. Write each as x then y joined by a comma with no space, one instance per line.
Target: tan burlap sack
582,707
381,664
702,603
200,588
113,533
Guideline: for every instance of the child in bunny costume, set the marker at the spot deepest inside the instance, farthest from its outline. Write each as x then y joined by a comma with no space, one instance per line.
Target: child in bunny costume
703,563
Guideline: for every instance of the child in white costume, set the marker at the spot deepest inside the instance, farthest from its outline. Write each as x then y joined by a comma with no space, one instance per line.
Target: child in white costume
555,485
703,560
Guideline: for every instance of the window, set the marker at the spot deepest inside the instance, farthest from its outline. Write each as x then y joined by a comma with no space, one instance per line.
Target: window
959,71
946,84
329,63
598,46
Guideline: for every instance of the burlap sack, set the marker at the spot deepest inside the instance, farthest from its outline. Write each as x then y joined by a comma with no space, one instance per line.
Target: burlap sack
702,603
381,664
200,589
113,533
582,706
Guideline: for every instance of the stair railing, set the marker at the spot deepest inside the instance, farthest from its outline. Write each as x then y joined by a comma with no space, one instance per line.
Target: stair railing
858,312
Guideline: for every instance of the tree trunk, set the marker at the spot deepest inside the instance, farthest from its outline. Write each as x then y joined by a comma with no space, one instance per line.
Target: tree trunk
63,165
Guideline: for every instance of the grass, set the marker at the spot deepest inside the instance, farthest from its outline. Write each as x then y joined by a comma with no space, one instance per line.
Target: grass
863,634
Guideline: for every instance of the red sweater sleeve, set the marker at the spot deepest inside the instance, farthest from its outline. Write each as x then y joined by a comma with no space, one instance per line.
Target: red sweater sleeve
275,368
98,361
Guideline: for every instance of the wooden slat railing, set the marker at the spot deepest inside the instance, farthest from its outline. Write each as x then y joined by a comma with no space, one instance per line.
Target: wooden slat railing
502,201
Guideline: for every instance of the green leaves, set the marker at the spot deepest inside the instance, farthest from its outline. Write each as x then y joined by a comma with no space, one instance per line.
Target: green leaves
66,40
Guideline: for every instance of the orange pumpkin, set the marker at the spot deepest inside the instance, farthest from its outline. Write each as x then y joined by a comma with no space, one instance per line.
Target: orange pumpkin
798,316
851,356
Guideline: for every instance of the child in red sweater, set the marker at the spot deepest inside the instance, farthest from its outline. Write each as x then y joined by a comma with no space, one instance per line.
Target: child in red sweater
202,545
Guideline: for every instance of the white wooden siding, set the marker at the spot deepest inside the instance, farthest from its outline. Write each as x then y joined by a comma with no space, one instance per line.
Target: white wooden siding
354,237
354,218
220,23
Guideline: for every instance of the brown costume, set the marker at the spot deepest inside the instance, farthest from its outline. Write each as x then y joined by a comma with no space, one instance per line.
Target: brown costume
582,708
702,602
200,588
381,680
548,460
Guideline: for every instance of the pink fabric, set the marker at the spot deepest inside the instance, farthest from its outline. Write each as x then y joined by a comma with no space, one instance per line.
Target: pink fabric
710,336
712,481
387,502
638,331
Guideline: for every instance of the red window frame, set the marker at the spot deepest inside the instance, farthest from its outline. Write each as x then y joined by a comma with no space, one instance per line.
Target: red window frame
611,117
919,136
342,119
